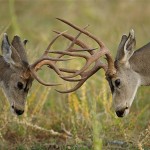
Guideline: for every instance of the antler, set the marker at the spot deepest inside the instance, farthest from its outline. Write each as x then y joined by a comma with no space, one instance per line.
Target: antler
50,62
93,57
45,60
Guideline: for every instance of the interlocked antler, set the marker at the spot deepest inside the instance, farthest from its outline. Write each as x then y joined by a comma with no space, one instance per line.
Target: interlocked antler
83,72
93,58
49,61
45,60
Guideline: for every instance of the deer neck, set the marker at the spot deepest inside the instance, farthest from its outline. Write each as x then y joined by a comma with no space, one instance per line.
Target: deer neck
140,63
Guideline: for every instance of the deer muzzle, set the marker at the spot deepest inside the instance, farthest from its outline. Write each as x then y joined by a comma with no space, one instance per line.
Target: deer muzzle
122,112
17,111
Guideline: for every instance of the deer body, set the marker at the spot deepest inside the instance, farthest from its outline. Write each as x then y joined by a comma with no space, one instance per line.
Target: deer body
140,62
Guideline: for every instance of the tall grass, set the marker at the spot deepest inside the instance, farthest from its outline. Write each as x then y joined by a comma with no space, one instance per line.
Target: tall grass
82,120
14,22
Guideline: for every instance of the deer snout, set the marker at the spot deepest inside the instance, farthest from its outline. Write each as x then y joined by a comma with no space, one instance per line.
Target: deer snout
18,111
122,112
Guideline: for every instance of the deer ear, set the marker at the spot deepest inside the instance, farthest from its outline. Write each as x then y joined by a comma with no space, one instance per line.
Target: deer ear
126,46
9,53
7,50
19,46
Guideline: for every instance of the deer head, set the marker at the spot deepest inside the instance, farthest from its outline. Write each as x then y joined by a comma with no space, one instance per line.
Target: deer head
17,74
125,82
124,74
13,63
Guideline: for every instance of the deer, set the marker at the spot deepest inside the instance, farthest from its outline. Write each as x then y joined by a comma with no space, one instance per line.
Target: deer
125,74
17,75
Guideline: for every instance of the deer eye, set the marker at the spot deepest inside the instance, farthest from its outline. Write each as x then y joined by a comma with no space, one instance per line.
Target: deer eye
20,85
117,82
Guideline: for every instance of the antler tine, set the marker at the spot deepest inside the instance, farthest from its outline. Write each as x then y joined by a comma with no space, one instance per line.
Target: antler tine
71,38
39,65
70,54
74,40
41,81
68,71
100,43
35,64
52,42
82,50
73,89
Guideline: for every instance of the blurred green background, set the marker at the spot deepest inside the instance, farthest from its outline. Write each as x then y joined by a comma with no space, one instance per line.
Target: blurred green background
86,113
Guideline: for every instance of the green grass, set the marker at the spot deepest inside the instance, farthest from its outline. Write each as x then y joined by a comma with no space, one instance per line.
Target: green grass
86,113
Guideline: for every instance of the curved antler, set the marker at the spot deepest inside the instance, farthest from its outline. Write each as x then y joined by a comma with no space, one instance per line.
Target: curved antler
46,60
51,62
84,72
93,58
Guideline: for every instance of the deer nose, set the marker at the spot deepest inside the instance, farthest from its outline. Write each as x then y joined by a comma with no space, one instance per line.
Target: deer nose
120,113
19,112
